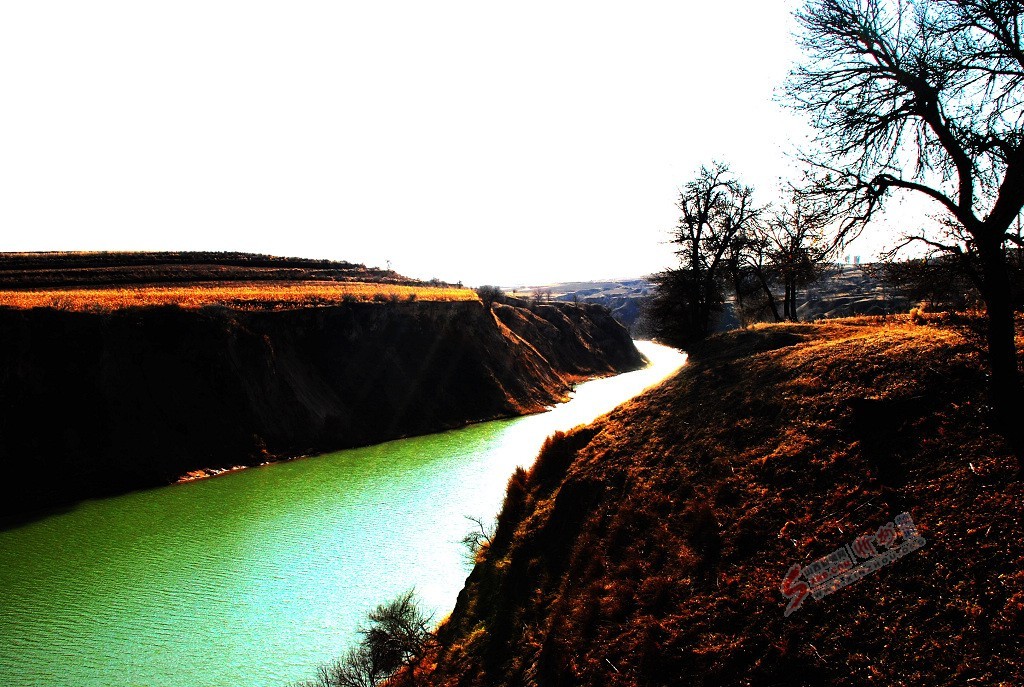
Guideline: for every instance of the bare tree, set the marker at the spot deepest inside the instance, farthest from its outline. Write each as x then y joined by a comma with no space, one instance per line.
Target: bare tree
925,96
796,241
477,538
760,278
717,212
354,670
396,636
357,669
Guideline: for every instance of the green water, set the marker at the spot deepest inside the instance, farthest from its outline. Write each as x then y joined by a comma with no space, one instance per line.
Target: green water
255,577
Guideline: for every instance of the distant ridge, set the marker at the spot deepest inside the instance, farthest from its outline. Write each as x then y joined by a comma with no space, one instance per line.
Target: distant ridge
67,269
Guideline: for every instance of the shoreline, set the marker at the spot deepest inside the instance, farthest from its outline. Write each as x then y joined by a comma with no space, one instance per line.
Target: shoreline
201,474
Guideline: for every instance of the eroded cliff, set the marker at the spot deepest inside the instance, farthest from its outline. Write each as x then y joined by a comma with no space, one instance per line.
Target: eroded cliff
98,403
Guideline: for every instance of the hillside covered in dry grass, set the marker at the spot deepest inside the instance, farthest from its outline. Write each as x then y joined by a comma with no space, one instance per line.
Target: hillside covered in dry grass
649,547
240,296
102,269
105,282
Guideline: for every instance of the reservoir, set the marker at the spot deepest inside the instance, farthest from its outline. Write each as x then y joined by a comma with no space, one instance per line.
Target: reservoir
255,577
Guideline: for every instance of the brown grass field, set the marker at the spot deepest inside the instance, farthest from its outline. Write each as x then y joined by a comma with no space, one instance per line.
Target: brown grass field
244,296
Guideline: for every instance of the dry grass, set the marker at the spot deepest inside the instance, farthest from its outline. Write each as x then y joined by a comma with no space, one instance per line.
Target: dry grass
653,542
245,296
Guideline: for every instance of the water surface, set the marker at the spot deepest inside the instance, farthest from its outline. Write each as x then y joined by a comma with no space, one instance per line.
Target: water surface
255,577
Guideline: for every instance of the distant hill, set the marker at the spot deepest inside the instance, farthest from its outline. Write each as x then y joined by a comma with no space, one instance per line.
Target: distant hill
624,297
70,269
114,281
850,290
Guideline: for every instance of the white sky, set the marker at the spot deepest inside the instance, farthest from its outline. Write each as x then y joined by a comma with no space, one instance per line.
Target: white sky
506,143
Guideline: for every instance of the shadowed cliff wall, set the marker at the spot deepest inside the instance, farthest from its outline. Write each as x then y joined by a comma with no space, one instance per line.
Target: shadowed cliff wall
99,403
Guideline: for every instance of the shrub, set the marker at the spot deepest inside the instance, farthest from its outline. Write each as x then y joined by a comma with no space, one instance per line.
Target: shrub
513,509
490,295
919,314
477,539
556,455
396,636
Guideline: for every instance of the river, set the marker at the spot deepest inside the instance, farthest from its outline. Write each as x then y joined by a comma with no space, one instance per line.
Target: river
257,576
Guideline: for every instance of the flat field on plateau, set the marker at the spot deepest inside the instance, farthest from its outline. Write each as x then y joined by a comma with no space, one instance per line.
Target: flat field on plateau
248,296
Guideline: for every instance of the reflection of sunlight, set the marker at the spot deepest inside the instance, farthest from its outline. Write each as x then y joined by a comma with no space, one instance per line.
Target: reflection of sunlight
199,584
595,398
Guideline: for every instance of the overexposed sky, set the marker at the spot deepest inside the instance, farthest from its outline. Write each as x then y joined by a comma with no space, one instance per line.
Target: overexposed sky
486,142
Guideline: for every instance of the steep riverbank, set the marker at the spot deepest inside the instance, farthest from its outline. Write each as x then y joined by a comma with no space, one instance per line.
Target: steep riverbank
649,548
99,403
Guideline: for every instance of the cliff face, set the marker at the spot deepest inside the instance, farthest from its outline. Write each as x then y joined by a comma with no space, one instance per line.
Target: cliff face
649,547
97,403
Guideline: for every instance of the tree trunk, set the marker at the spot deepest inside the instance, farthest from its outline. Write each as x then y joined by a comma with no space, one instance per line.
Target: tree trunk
770,295
1002,348
790,306
792,300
